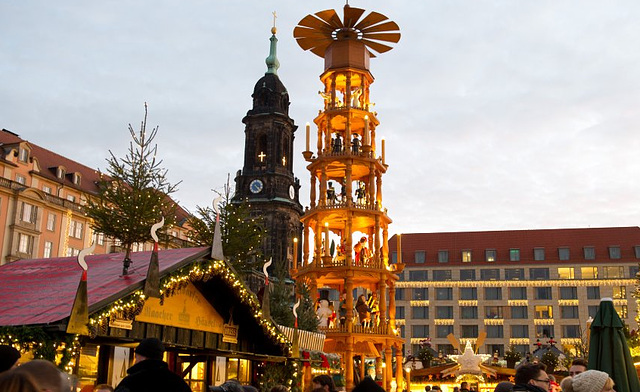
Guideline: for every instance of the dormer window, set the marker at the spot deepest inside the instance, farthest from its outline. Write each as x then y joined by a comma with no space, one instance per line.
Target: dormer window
60,172
23,155
77,178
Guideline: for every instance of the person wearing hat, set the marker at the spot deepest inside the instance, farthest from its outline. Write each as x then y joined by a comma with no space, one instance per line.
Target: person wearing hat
150,373
9,358
588,381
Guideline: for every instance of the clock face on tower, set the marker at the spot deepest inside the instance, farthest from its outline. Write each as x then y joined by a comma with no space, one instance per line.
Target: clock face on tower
256,186
292,192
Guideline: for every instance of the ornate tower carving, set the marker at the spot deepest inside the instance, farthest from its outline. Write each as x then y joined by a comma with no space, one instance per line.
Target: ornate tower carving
266,180
345,228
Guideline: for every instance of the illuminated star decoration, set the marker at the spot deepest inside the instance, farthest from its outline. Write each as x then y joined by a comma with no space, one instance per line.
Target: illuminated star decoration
152,283
79,317
216,248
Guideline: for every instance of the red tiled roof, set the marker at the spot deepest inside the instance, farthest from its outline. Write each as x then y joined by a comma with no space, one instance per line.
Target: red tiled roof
41,291
525,240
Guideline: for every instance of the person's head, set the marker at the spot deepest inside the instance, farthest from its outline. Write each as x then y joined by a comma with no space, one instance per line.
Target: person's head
534,374
279,388
249,388
324,381
464,385
46,375
228,386
504,386
427,388
588,381
103,388
150,348
578,365
9,358
456,389
18,382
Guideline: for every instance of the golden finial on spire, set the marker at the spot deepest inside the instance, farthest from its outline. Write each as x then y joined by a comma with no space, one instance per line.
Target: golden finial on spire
273,29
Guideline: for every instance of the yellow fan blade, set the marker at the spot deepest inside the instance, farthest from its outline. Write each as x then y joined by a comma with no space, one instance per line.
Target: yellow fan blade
370,20
454,342
481,337
331,18
351,15
389,37
378,47
382,27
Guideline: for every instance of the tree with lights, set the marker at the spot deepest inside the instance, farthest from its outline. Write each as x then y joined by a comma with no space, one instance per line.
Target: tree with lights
242,234
307,318
281,297
134,195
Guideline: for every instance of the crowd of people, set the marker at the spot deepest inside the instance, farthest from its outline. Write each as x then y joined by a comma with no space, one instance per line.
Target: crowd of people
151,374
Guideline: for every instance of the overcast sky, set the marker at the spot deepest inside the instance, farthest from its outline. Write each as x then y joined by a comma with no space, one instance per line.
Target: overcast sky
498,115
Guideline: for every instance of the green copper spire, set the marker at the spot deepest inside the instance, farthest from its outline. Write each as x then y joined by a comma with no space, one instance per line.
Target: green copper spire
272,61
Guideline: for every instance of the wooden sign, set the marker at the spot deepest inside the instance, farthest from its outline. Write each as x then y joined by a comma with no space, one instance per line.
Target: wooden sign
230,334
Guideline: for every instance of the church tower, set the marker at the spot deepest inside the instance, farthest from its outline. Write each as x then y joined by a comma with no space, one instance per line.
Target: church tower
266,180
346,226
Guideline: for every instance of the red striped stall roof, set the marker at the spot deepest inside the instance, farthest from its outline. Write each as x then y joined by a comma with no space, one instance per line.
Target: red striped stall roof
41,291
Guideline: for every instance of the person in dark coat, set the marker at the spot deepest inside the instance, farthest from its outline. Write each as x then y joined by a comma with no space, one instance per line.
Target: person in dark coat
150,373
532,377
367,385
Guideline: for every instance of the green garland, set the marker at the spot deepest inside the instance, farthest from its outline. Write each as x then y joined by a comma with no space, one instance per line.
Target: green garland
43,344
287,373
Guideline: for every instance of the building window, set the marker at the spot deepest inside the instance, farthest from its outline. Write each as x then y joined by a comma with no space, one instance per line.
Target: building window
589,253
493,293
420,256
589,272
400,294
517,293
71,198
466,256
60,172
543,311
571,331
495,331
394,257
520,331
446,349
444,312
75,229
399,312
593,292
490,274
420,294
514,273
490,255
23,156
468,293
566,273
25,243
48,249
420,312
467,274
544,331
514,254
613,272
622,311
443,256
51,222
401,277
569,312
46,189
568,293
519,312
539,273
636,251
441,275
633,271
21,179
593,309
614,252
444,293
619,292
402,331
418,275
469,331
538,254
419,331
493,312
469,312
77,179
443,330
29,213
542,292
563,254
100,238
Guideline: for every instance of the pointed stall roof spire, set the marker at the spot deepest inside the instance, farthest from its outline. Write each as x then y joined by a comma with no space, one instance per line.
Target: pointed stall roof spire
272,61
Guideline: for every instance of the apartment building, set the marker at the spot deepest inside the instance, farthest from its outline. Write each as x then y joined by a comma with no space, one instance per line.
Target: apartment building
42,195
520,286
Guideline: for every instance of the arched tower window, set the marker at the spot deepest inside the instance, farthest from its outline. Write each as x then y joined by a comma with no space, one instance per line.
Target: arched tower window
285,152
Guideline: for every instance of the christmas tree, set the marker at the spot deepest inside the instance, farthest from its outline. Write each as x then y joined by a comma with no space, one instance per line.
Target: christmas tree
134,195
